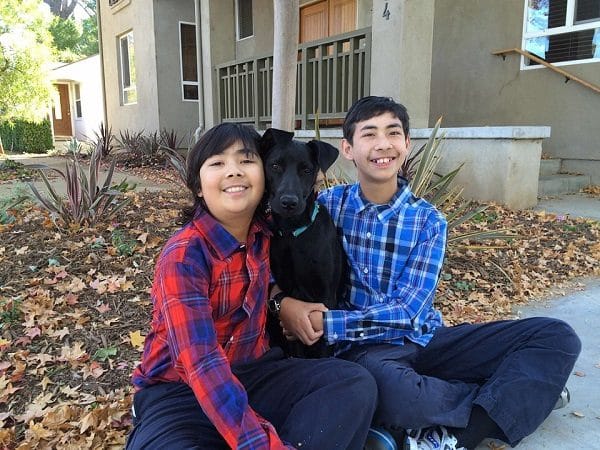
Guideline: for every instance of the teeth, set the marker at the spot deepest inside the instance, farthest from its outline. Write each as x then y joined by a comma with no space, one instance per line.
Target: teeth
235,189
382,160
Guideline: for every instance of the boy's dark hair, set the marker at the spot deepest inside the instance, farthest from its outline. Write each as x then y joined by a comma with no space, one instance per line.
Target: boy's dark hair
373,106
214,142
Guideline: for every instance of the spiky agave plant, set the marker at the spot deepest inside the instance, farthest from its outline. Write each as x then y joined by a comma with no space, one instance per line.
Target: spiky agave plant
420,170
87,201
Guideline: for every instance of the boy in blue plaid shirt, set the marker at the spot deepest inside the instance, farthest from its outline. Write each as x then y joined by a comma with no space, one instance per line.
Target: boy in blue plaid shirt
450,386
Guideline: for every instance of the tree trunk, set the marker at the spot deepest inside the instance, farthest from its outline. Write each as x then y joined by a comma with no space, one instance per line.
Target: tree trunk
285,50
62,8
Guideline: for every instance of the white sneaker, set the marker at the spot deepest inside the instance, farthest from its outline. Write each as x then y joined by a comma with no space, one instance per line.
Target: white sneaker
435,438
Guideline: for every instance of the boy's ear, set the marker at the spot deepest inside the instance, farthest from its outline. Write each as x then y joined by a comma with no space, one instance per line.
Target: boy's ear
271,137
326,153
347,149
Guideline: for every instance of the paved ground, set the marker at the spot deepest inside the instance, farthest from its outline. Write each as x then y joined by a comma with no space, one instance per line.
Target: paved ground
578,425
7,189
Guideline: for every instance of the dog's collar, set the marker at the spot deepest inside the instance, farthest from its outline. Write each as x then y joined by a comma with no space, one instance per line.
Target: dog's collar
298,231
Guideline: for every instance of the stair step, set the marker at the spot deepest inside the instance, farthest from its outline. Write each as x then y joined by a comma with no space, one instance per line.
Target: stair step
549,166
562,184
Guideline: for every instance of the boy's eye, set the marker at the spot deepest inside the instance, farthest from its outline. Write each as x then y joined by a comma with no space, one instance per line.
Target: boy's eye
248,161
215,163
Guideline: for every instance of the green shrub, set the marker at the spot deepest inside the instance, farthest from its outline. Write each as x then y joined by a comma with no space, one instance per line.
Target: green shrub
22,136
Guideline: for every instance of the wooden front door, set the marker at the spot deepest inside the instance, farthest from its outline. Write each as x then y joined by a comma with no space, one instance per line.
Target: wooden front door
61,111
327,18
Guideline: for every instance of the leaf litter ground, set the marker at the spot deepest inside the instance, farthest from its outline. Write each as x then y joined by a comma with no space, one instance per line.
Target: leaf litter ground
75,306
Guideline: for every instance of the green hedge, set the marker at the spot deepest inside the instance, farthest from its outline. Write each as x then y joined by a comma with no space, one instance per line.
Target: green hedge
21,136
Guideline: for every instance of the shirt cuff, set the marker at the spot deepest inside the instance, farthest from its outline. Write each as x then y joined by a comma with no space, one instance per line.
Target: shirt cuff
334,326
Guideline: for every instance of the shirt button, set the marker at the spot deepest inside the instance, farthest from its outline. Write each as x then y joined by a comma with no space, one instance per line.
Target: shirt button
231,339
368,234
361,334
366,270
335,335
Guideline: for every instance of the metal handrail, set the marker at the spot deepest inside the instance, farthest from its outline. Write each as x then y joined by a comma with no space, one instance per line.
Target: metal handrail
568,76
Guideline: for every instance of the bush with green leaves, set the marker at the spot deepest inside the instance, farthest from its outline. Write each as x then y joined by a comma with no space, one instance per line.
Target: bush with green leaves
24,136
86,202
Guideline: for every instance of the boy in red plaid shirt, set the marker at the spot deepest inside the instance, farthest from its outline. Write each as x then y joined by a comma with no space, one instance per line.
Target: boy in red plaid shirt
208,379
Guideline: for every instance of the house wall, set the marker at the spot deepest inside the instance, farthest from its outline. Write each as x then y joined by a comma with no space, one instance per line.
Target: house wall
139,17
471,87
173,111
87,74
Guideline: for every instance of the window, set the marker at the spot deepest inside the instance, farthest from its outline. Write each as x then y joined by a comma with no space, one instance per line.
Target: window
189,68
127,61
562,31
245,26
78,113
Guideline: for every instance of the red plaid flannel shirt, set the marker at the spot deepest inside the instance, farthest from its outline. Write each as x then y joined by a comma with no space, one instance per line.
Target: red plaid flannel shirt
209,296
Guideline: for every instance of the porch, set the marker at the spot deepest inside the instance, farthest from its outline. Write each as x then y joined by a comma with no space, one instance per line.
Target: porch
332,74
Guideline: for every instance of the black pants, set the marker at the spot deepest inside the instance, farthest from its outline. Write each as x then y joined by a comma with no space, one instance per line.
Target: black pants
515,370
313,404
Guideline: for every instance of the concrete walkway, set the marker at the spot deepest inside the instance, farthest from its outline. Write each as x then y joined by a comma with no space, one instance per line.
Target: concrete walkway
7,189
577,426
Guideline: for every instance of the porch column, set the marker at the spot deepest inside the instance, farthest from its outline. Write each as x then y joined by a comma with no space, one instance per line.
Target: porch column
401,54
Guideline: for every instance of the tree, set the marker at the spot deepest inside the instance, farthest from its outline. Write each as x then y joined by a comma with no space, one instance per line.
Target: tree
75,40
285,50
62,8
25,55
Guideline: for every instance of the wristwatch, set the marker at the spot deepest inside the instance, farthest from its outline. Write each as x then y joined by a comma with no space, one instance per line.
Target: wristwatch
274,303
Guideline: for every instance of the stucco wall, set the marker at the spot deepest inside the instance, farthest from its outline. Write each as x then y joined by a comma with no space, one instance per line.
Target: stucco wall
401,54
139,17
470,86
174,112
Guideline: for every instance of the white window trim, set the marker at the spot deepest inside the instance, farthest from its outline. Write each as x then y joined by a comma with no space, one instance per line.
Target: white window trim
183,82
122,80
570,16
74,90
237,23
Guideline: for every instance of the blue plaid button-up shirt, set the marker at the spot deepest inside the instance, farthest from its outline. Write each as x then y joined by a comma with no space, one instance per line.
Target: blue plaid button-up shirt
395,253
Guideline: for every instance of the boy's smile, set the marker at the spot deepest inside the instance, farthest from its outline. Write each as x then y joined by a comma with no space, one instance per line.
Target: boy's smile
378,149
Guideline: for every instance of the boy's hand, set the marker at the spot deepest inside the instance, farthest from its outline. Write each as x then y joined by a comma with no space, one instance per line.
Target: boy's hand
296,318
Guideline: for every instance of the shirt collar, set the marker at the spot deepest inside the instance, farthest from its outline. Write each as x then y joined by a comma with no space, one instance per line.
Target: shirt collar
402,195
222,241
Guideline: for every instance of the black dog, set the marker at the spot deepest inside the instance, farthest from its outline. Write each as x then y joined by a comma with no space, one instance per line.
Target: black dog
307,259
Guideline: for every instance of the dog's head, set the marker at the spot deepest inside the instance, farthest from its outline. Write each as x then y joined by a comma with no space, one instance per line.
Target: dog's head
291,169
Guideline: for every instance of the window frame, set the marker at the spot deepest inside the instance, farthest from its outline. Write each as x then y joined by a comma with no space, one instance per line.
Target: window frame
237,20
77,101
184,82
570,27
132,87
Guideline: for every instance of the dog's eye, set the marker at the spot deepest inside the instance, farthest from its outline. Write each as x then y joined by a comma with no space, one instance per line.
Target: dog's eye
307,171
275,166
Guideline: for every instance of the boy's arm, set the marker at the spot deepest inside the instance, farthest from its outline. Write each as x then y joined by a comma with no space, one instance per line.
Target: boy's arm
406,308
202,363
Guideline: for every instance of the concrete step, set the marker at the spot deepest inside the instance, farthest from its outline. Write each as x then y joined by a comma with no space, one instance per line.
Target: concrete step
549,166
562,184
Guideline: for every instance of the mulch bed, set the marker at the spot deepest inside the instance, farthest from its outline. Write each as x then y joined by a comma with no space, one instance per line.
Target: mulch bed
75,305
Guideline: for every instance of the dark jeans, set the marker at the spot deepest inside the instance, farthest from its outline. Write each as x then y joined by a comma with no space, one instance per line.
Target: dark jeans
515,370
313,404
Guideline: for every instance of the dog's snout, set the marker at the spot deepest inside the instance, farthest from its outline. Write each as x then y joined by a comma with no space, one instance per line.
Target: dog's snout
289,201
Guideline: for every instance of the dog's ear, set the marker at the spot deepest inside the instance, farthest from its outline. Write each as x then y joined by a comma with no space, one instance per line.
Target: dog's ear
326,153
271,137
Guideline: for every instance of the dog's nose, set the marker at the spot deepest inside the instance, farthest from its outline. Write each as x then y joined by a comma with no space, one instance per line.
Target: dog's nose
289,201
